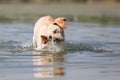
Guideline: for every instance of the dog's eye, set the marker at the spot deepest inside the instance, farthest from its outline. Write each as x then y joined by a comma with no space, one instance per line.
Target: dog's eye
56,31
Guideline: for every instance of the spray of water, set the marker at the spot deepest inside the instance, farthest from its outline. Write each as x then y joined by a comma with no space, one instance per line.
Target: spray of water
15,46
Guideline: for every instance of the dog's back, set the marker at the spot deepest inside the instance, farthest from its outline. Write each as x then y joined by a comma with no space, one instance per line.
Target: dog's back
42,22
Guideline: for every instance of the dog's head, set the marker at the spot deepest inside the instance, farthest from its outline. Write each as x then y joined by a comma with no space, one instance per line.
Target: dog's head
56,31
55,35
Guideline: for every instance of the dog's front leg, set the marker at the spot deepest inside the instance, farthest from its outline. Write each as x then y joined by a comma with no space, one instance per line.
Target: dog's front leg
39,44
34,42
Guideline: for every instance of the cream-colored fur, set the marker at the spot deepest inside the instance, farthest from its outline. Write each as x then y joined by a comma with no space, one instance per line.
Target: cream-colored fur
49,33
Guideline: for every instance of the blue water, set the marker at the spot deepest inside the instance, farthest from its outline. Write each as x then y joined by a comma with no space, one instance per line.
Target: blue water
92,53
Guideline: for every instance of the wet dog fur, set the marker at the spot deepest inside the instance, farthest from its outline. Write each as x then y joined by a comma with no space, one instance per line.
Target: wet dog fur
49,33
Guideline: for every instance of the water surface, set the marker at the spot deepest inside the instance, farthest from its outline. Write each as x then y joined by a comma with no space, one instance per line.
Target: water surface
92,53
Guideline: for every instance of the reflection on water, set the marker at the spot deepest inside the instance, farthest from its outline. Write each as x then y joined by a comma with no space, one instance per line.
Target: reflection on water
48,65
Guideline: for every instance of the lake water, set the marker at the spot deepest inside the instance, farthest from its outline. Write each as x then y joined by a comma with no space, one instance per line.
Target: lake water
92,53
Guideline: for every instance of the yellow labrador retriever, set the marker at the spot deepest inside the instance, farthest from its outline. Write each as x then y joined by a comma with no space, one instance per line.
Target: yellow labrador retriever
49,34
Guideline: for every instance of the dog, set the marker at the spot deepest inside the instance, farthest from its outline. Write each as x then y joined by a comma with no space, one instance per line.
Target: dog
49,34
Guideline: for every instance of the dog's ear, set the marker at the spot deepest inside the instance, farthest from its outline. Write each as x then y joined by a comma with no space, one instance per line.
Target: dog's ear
55,23
44,39
64,19
61,22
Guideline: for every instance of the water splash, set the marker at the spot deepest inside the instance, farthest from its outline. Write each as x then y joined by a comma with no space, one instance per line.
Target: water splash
27,44
87,47
16,46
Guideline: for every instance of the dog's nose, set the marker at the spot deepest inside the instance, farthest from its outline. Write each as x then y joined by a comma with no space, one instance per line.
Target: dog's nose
56,40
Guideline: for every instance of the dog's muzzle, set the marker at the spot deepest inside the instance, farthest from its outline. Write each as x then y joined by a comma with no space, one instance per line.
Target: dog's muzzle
57,40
